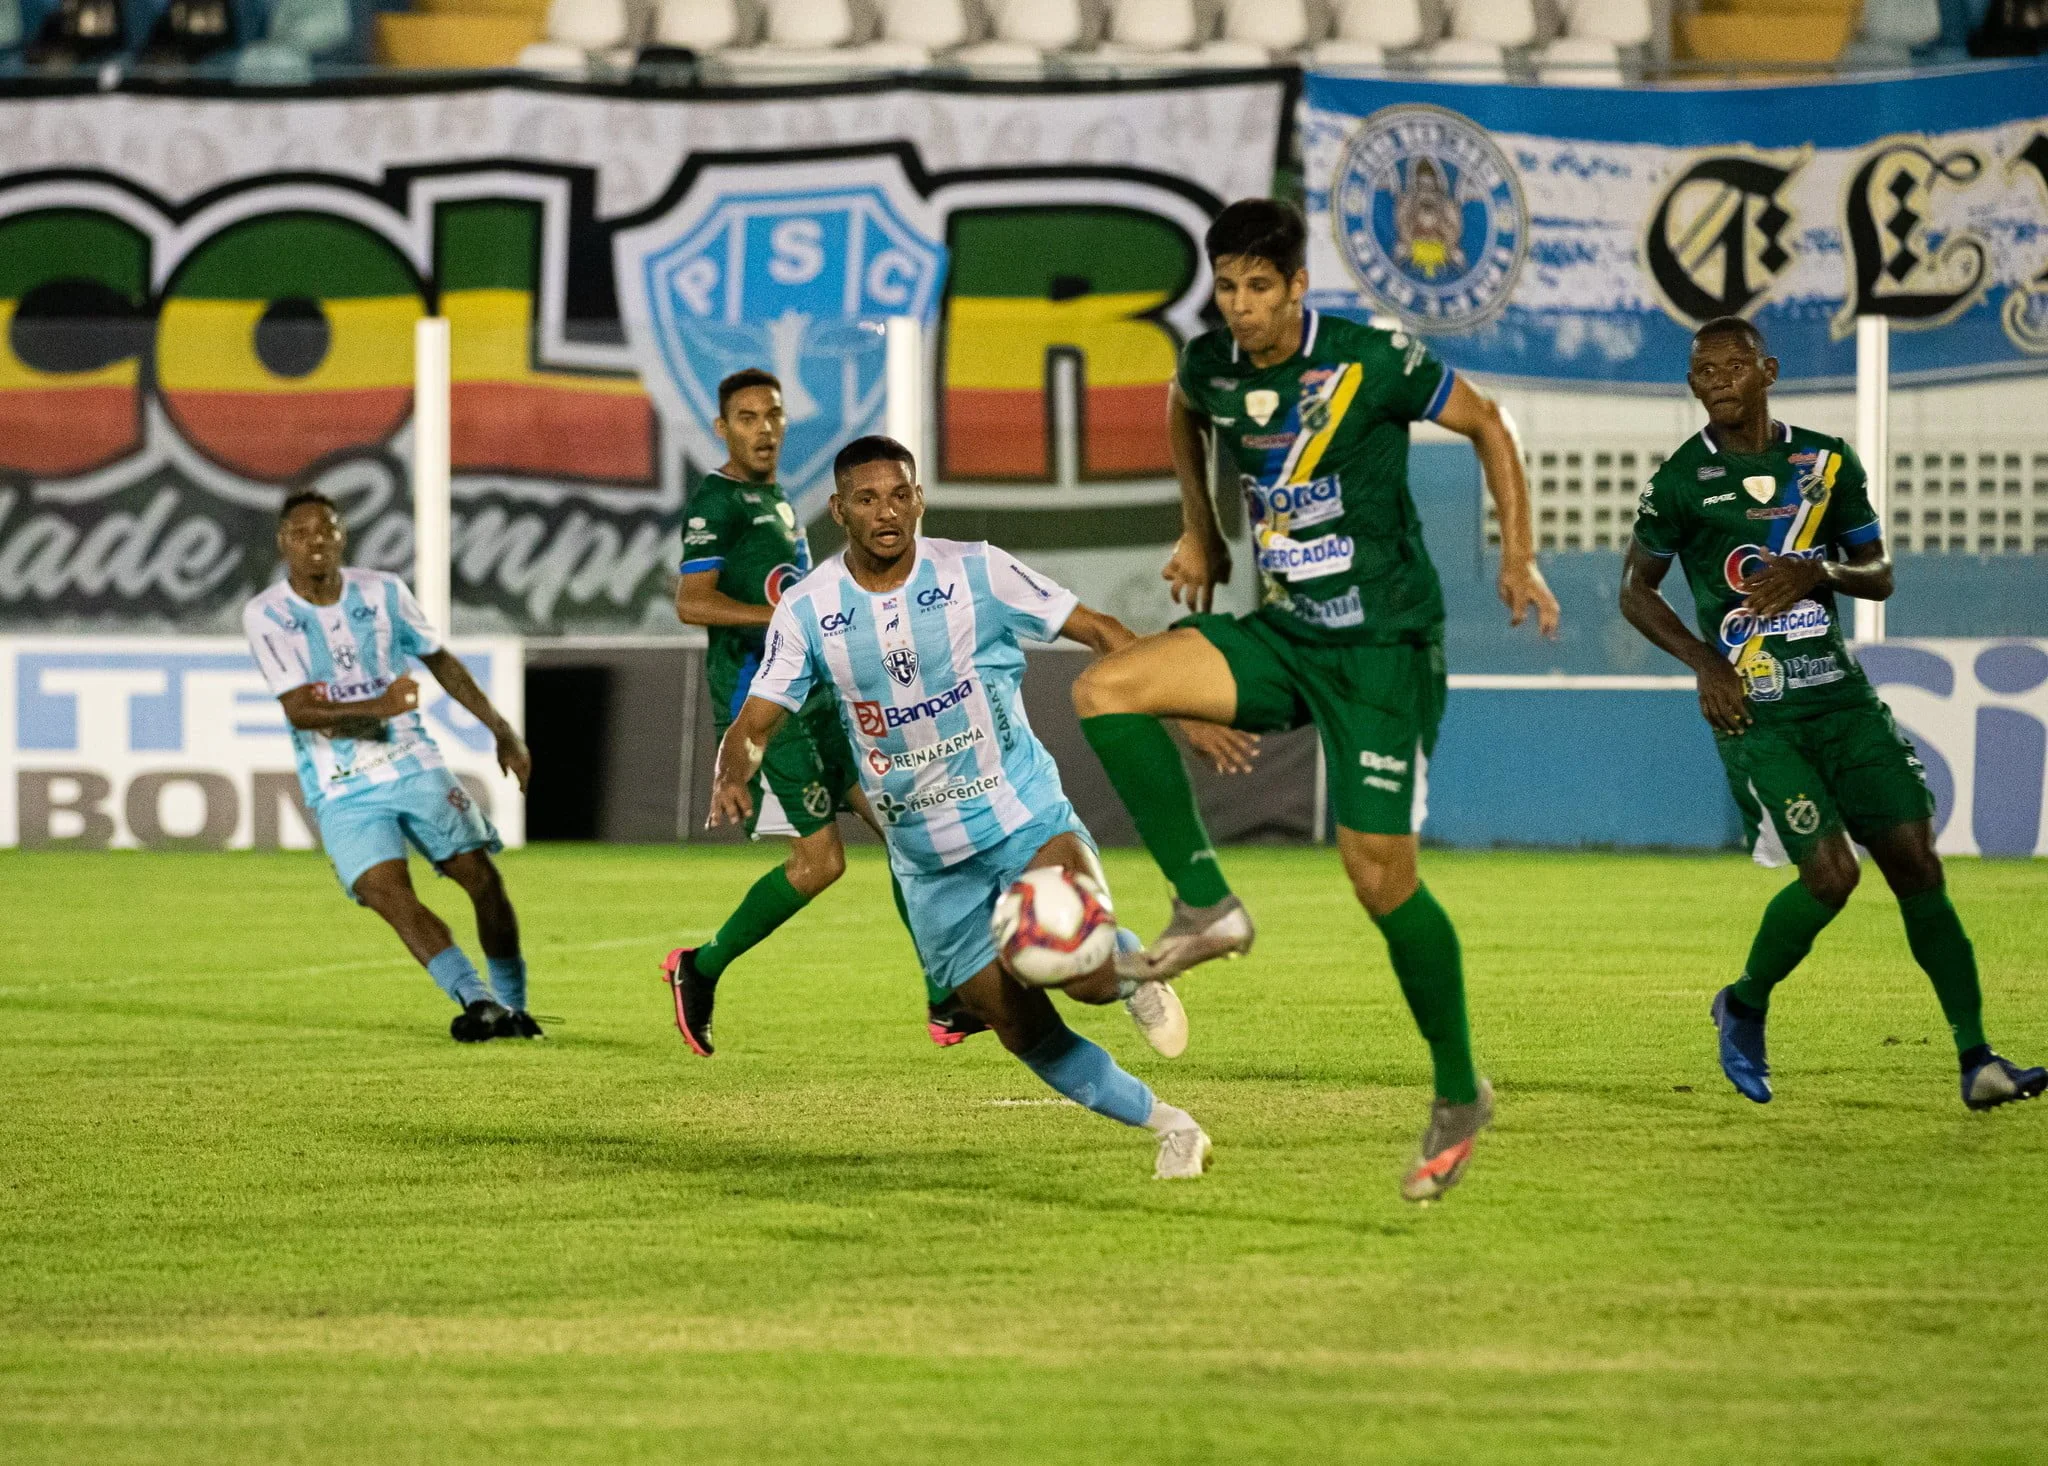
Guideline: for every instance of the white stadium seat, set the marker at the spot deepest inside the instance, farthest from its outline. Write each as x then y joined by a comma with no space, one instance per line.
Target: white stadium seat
1503,23
1462,60
1045,25
1385,25
1580,61
555,56
932,25
697,25
1152,26
1275,27
1624,22
1347,54
589,25
806,25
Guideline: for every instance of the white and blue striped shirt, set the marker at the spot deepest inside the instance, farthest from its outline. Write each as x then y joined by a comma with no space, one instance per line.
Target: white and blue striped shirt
928,677
351,650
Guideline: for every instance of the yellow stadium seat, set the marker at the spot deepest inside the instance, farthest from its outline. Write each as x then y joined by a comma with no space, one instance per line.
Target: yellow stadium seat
455,42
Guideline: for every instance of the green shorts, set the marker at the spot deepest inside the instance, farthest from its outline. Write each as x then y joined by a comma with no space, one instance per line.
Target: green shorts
1376,707
808,770
1800,781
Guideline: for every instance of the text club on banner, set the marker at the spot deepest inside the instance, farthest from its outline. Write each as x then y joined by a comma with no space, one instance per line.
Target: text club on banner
176,743
1560,235
188,331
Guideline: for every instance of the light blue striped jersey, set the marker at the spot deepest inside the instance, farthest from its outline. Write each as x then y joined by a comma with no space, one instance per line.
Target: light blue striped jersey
352,650
928,679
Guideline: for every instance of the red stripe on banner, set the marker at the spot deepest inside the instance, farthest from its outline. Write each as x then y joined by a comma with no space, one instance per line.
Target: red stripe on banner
995,433
511,427
55,432
277,435
1126,431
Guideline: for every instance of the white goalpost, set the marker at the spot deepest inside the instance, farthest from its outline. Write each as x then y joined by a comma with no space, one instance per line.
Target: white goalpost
904,417
433,538
1873,442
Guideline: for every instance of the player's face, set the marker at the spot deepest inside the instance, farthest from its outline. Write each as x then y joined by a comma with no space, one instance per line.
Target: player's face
752,427
311,542
1731,378
879,506
1257,301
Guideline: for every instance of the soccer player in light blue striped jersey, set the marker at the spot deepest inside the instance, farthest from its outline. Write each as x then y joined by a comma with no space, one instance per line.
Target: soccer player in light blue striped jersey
921,639
333,644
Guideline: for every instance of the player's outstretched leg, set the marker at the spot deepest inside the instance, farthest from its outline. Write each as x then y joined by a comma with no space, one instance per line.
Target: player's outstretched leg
1796,916
1935,933
1423,947
497,932
1027,1025
386,888
1120,700
815,861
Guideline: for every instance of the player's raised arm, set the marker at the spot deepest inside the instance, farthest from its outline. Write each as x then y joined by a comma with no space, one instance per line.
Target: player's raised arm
1201,559
1522,587
1643,606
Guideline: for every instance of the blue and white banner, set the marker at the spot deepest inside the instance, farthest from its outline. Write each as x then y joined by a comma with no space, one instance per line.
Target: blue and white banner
175,743
1578,236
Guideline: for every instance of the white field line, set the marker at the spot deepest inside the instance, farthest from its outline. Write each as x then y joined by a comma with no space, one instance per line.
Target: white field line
325,968
1568,682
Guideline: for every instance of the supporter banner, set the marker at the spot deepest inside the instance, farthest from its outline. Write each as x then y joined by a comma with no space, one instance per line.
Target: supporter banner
174,743
206,302
1577,236
1978,713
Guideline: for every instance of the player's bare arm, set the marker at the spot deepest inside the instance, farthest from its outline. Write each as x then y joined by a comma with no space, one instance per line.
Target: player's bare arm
1201,559
699,602
1643,606
458,684
739,754
1227,749
1786,580
1475,416
310,708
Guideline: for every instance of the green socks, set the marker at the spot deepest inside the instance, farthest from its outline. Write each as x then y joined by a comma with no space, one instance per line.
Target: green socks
1144,767
1939,945
1791,922
771,902
1424,947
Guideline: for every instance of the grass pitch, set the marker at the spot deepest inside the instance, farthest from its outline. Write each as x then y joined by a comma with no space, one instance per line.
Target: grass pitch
255,1206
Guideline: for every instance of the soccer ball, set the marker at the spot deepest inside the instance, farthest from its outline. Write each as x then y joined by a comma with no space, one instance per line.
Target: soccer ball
1052,926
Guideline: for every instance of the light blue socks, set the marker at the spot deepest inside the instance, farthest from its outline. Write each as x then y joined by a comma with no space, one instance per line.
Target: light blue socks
1086,1074
508,979
454,975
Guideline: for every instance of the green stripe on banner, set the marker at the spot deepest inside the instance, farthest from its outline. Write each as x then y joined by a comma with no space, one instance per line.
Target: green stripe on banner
1056,253
72,244
493,244
282,255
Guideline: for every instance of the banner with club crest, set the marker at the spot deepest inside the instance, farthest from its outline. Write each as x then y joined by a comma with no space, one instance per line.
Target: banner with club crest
1578,237
207,301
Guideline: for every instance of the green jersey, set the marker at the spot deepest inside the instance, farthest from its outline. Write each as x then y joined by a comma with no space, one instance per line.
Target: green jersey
749,535
1320,443
1804,495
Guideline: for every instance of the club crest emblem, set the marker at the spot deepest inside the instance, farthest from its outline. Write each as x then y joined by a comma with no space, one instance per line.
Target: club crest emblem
1802,816
1430,218
1260,405
1760,487
902,665
817,801
789,268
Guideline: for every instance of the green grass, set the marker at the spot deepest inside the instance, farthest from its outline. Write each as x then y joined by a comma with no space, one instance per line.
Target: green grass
255,1206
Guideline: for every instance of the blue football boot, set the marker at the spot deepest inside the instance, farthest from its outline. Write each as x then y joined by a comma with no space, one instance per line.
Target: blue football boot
1996,1081
1742,1051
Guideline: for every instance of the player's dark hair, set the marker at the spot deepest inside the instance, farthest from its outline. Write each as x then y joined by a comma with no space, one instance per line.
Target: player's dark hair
875,448
301,499
1733,326
740,381
1263,229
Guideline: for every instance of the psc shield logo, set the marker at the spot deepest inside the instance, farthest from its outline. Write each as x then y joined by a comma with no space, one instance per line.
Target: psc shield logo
1429,215
795,278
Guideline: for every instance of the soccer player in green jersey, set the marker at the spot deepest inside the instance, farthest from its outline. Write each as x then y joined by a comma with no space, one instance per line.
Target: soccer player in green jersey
1313,412
742,548
1771,523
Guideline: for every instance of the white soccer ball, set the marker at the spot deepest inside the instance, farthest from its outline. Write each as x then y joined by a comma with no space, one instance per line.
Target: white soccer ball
1052,926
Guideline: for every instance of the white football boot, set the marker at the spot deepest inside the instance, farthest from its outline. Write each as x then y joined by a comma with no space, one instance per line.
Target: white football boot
1195,935
1157,1011
1183,1154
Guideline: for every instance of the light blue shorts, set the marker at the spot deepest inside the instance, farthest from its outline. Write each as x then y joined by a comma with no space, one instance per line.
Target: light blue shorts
950,909
429,810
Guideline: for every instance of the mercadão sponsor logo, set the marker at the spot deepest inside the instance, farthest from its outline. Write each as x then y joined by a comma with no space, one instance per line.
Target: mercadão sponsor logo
876,721
1298,560
1805,620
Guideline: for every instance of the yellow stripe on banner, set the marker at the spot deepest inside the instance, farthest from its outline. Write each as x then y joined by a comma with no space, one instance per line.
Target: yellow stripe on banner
210,346
491,340
1340,399
1809,521
999,341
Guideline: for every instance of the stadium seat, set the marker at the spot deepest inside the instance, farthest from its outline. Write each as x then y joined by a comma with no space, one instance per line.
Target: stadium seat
1624,22
1256,32
1367,29
1580,61
1892,30
579,30
1041,25
1503,23
453,42
1458,59
1142,29
298,31
802,36
929,25
10,25
702,26
78,31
